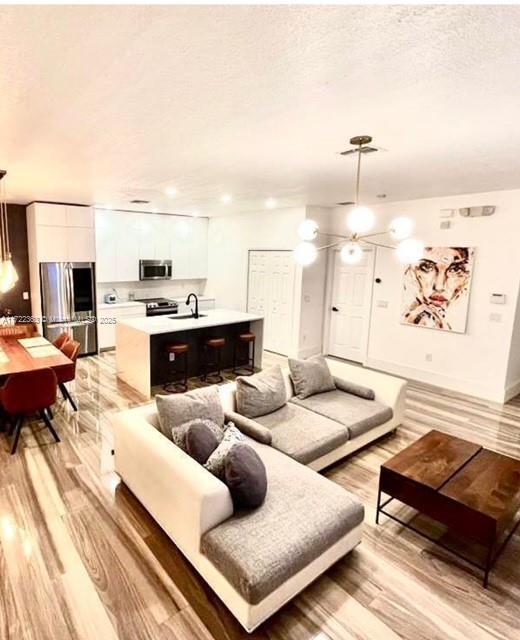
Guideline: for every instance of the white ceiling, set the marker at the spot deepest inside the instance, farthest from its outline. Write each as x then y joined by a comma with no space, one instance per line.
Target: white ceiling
105,103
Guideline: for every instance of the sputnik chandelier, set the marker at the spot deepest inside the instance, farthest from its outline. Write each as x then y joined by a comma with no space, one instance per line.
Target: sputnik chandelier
360,223
8,275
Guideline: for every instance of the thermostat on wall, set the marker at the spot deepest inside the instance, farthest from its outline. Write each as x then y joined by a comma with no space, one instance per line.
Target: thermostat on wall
497,298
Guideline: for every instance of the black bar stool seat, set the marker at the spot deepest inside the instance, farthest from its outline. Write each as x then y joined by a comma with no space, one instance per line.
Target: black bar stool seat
243,342
178,349
212,369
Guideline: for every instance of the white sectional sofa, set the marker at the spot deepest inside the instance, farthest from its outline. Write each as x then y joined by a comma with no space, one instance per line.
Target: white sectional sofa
254,561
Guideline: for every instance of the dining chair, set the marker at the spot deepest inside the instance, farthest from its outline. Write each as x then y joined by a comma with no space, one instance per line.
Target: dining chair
62,339
26,393
67,373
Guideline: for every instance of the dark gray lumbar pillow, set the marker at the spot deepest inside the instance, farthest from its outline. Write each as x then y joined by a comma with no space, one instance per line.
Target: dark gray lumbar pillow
310,376
245,477
261,393
178,409
355,389
201,441
179,433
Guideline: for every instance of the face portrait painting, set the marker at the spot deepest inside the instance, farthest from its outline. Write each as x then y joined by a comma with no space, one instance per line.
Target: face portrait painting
436,289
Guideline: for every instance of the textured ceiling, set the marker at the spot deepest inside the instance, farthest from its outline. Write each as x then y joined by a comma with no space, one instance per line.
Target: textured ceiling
108,103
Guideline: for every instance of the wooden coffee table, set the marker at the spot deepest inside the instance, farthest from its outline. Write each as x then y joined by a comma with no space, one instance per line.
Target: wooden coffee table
474,492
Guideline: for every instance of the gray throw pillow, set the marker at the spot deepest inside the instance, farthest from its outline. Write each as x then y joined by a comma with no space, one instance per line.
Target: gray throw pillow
310,376
215,463
355,389
245,477
176,409
201,441
178,434
261,393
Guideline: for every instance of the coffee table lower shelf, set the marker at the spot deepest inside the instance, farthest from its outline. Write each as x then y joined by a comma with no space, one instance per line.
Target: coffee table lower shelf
493,550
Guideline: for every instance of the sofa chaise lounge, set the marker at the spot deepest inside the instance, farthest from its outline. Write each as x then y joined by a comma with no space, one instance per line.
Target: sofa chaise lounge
258,560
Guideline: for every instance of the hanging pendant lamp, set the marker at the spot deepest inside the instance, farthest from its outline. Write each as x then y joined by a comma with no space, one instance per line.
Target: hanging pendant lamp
8,274
360,221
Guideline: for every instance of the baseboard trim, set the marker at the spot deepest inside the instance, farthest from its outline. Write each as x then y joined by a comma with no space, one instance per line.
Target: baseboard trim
469,387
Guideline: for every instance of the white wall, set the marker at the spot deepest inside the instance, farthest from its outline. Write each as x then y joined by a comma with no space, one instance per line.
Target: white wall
475,362
231,237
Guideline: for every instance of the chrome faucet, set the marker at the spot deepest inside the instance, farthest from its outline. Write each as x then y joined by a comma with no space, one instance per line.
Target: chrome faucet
195,313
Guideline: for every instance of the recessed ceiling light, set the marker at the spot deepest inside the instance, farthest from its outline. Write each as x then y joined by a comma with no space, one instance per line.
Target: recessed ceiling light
171,191
226,198
270,203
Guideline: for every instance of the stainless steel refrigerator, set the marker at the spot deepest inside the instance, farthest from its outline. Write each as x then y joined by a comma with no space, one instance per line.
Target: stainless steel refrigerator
69,302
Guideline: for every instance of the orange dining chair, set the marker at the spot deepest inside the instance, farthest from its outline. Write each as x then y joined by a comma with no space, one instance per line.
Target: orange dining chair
67,373
25,393
62,339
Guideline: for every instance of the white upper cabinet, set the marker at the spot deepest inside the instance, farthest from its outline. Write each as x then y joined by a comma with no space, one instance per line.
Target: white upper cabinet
122,239
50,215
61,233
79,216
189,247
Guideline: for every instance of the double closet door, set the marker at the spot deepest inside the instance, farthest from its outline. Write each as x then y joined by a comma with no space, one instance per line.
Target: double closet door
271,294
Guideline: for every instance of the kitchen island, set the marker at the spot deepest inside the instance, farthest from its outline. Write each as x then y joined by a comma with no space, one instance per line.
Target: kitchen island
142,360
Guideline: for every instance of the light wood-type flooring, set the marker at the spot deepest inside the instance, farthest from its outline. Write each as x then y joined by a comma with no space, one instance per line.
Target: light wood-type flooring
81,558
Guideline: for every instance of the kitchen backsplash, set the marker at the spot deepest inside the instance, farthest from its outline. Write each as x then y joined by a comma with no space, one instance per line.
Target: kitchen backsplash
150,289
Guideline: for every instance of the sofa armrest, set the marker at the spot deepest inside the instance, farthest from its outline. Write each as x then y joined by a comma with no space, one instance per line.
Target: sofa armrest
389,390
250,427
184,498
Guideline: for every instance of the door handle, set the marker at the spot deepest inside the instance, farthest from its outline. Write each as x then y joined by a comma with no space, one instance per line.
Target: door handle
335,309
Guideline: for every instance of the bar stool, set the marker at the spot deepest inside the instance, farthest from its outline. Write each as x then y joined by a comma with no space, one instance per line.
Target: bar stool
244,340
216,345
178,349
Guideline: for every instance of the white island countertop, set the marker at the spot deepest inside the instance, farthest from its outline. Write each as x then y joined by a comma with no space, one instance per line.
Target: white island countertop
208,318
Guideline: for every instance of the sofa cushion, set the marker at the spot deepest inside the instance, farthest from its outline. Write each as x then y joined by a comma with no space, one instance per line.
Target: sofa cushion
302,516
261,393
179,408
310,376
302,434
356,414
245,476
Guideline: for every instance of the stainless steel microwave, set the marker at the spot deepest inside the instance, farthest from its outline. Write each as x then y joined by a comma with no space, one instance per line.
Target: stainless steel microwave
155,269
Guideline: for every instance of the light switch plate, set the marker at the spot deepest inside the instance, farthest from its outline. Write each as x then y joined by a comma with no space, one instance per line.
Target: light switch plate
25,295
382,303
495,317
497,298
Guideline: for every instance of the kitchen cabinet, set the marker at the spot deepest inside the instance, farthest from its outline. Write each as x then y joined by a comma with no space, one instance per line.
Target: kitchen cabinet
108,317
189,249
57,233
54,239
122,239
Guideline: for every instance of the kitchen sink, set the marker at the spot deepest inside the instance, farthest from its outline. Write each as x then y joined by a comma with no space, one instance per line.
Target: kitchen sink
187,316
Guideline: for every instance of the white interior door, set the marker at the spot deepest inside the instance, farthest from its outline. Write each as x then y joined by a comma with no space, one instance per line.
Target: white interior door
271,294
350,307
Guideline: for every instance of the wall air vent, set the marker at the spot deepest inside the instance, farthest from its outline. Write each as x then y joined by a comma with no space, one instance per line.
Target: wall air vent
137,201
345,204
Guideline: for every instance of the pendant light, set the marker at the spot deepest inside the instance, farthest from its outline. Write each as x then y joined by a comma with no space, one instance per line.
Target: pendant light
8,274
360,222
